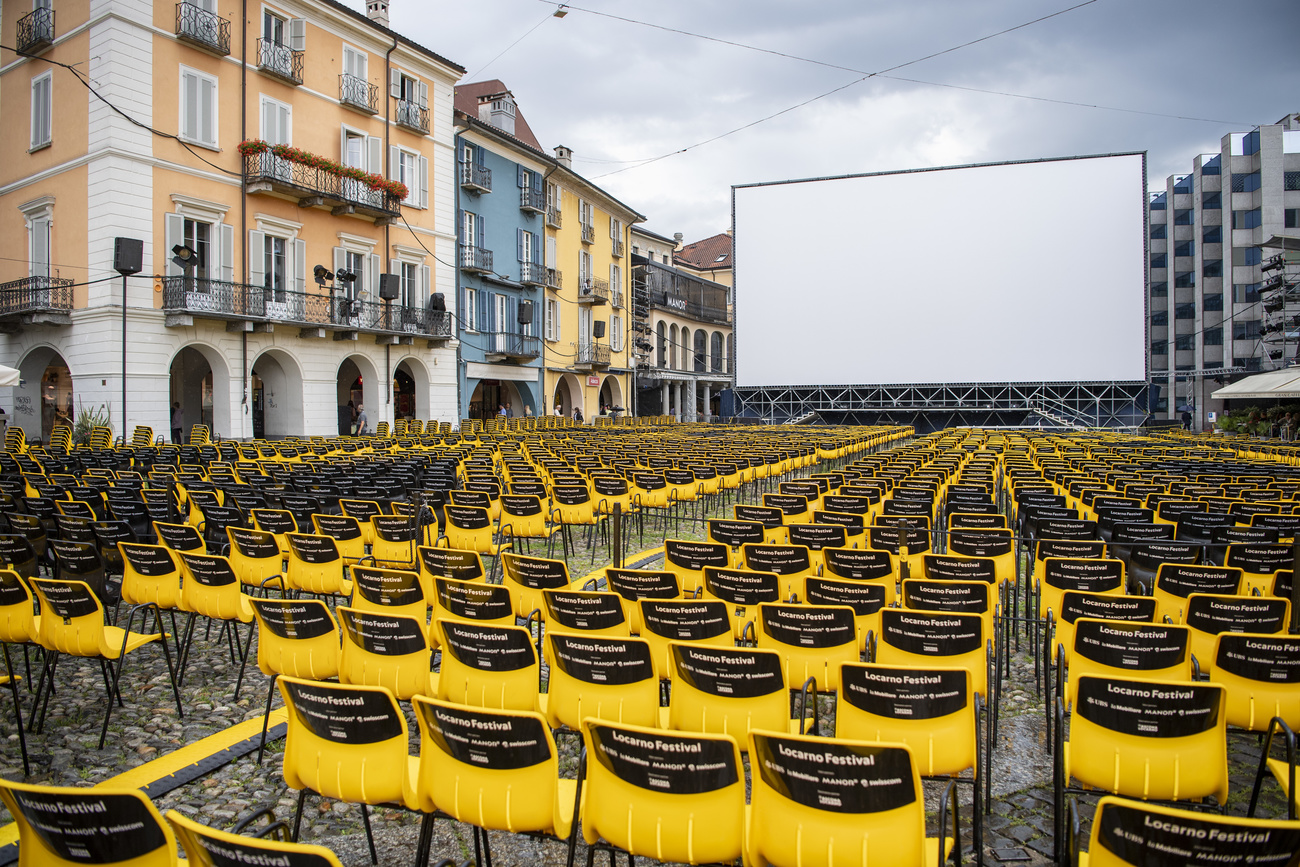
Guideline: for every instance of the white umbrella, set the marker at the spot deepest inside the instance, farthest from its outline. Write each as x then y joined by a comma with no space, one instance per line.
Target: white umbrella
8,376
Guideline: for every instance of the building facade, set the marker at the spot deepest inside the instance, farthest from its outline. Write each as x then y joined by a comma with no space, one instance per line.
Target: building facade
1206,267
292,181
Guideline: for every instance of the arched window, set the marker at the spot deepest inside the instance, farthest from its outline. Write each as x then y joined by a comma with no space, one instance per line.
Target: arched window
715,352
701,351
672,348
661,344
731,354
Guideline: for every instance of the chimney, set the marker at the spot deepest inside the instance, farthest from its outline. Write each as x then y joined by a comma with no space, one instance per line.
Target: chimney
498,110
564,156
677,240
377,11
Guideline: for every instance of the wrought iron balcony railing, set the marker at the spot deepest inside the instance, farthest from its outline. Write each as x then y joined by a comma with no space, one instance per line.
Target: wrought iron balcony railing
532,200
553,217
475,258
532,274
305,181
554,278
224,300
36,31
591,353
588,233
279,60
593,290
475,178
513,345
412,115
198,26
356,92
36,295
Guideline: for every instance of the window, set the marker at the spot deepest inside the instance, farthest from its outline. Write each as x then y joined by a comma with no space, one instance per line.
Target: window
1160,290
1157,202
412,97
1213,302
469,310
1185,311
278,263
616,333
1245,293
585,214
528,246
1184,279
1160,317
1157,233
277,121
39,216
1160,347
1159,260
1247,329
1184,217
409,168
1212,337
274,27
41,109
1291,181
1246,256
354,63
1245,183
1211,201
1246,219
1212,268
197,235
1185,248
1184,341
615,229
584,270
552,319
1212,235
1183,186
616,278
198,107
553,203
411,288
1210,166
200,226
1291,218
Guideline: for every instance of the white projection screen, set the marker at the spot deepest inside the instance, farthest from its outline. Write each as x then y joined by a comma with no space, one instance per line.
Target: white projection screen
1008,272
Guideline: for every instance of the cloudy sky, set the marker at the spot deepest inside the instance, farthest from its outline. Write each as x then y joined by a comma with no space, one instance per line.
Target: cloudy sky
613,81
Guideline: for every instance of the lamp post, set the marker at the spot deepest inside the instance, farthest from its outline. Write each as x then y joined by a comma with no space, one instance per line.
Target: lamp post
127,259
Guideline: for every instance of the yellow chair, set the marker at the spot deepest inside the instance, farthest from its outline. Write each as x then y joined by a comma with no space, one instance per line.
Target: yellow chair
470,528
771,517
277,522
743,590
687,560
1104,606
390,591
699,621
211,589
526,577
842,802
817,536
485,665
297,638
207,845
349,541
1258,563
388,650
733,534
731,691
471,602
812,640
150,575
584,613
1208,615
1080,574
967,597
257,558
180,537
73,827
1177,581
1261,676
436,562
524,517
1151,651
793,563
396,538
866,598
641,797
928,639
497,770
363,511
862,564
347,743
315,566
633,585
608,678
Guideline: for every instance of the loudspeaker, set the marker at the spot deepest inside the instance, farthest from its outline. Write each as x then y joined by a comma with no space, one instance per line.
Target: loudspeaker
128,255
438,303
598,329
390,286
525,313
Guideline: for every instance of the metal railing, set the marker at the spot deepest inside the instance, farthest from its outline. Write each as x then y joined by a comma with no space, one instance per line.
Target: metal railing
475,258
35,31
553,217
279,60
532,273
477,177
266,166
588,233
198,25
412,115
247,301
555,278
593,289
35,294
590,353
532,200
356,92
514,345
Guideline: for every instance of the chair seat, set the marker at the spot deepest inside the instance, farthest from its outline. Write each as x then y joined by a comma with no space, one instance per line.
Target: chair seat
113,640
1281,772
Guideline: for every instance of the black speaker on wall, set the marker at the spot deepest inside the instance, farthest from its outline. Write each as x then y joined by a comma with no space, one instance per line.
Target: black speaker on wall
390,286
598,329
128,255
525,313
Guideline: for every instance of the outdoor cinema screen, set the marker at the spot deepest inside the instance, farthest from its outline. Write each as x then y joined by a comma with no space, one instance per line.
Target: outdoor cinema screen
1009,272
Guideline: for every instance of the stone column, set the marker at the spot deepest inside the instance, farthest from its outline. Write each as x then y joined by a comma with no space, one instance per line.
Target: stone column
664,409
677,402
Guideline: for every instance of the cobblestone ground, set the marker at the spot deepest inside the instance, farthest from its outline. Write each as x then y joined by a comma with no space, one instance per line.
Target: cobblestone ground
66,753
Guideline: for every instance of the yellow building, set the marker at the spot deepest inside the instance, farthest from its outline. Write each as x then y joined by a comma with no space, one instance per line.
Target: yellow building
587,328
282,154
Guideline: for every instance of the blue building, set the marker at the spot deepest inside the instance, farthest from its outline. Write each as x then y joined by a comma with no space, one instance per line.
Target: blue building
501,175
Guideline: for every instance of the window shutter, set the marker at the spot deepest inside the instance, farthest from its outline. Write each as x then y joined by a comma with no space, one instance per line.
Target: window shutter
173,232
460,226
298,34
394,268
424,182
284,114
226,233
371,284
256,258
207,111
521,175
300,266
424,95
189,105
512,316
485,311
480,227
340,263
537,182
40,248
478,156
425,280
395,83
550,251
375,147
537,248
394,158
519,243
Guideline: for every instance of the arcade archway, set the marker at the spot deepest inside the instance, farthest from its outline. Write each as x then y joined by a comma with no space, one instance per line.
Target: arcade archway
277,407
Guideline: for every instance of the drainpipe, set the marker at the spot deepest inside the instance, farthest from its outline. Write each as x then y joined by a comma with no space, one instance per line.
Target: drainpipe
387,385
544,408
243,204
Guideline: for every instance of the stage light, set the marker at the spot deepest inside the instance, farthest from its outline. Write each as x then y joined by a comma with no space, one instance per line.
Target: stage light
186,257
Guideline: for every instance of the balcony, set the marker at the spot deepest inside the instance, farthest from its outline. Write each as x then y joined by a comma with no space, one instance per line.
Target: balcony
593,290
588,233
357,93
265,172
553,216
35,301
279,60
554,278
413,116
532,274
36,31
202,29
475,178
504,345
616,248
185,298
533,201
616,297
590,355
475,259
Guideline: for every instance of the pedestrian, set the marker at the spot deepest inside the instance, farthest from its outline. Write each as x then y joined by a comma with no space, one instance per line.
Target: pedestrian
1187,420
559,411
577,415
177,424
510,413
501,410
362,423
528,410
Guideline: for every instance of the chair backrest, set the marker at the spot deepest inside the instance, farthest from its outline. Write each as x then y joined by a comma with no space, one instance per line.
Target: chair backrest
343,529
924,638
1104,606
17,552
643,798
633,585
1206,615
603,677
812,796
733,533
1176,581
256,555
1148,739
206,845
687,560
179,537
584,613
699,621
1153,651
62,827
945,567
967,597
296,637
346,741
1081,574
316,565
150,574
812,640
528,576
455,563
17,618
485,665
471,602
727,690
390,591
212,588
791,562
388,650
395,539
1261,674
860,564
1257,562
1128,833
495,769
80,561
866,598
